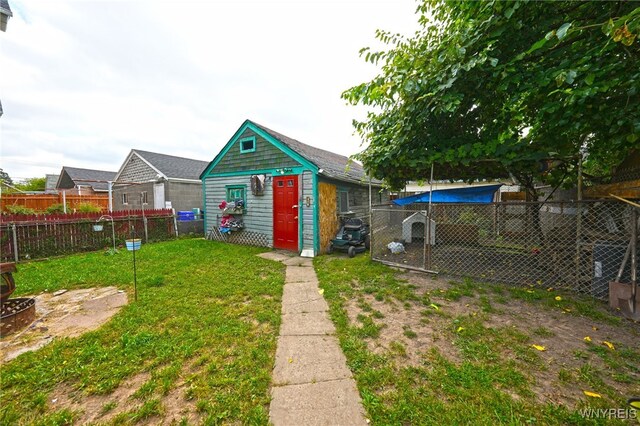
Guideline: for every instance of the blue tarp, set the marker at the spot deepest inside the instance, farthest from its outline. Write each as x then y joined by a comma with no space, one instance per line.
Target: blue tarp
469,194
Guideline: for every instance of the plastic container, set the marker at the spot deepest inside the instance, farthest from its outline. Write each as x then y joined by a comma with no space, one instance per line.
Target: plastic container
196,213
98,228
185,215
133,244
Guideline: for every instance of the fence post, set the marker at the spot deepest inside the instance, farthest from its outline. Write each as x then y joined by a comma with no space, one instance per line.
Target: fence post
15,242
370,220
146,231
175,225
578,240
371,236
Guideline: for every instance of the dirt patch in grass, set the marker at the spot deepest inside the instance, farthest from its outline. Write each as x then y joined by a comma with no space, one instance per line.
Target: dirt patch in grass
405,331
424,282
97,407
570,343
64,314
178,408
122,405
575,357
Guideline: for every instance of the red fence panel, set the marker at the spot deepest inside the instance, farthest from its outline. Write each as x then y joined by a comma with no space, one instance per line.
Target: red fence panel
39,236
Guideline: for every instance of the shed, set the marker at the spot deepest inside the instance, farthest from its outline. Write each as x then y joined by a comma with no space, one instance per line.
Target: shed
292,194
158,181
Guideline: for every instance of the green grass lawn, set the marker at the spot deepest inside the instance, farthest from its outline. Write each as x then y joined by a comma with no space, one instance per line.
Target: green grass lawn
479,365
203,331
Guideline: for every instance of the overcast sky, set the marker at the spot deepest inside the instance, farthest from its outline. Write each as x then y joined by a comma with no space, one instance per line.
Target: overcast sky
84,82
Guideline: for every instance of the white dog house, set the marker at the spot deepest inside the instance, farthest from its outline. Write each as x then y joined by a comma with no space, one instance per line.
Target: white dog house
414,227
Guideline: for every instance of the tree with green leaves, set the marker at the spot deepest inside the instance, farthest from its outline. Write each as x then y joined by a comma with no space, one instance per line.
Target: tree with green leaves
490,89
5,178
32,184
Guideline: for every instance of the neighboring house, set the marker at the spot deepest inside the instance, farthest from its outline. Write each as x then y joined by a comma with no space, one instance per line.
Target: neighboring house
293,193
158,181
77,181
5,14
50,184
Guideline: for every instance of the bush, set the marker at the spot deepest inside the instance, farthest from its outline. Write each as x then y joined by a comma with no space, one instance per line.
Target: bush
18,209
55,208
88,208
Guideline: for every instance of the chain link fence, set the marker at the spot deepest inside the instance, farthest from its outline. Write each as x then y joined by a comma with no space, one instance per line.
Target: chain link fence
573,245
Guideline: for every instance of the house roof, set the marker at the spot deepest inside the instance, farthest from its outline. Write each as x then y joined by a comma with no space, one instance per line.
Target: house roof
173,167
5,14
50,182
97,179
4,7
330,164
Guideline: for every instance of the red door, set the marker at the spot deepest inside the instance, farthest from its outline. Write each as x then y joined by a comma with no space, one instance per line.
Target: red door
285,212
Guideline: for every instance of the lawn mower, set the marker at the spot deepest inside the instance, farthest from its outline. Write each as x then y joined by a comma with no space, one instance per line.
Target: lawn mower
353,237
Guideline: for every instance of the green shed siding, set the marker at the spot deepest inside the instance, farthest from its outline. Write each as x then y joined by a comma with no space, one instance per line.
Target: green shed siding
258,215
265,156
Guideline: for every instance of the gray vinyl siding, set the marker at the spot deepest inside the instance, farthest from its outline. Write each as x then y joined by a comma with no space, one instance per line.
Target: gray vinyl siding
308,218
266,156
259,209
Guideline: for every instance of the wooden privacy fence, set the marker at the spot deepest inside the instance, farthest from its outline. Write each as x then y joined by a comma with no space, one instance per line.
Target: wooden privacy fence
40,202
38,236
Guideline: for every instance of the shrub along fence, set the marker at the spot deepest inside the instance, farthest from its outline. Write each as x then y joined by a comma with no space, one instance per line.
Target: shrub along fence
40,202
574,245
39,236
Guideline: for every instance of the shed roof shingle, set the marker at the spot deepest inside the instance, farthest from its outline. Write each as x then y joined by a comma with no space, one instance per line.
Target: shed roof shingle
333,165
174,167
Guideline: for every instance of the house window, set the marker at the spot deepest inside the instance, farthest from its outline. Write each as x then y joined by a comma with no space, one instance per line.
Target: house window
144,197
343,201
248,145
125,198
236,192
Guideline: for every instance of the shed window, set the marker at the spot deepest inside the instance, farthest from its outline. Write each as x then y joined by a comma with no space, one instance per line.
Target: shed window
125,198
144,197
236,192
343,200
247,145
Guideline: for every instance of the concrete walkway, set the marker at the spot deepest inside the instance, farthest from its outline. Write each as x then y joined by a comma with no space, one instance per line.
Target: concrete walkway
311,382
